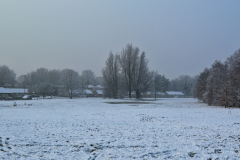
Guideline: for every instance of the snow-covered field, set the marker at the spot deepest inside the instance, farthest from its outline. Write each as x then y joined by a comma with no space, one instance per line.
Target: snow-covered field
90,128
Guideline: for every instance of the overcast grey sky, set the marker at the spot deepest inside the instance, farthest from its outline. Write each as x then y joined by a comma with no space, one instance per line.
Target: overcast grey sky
179,37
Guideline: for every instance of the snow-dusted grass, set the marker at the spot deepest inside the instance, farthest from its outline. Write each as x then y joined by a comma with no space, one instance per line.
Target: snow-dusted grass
90,128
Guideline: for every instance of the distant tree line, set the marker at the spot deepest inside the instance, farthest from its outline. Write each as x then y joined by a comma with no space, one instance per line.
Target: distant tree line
124,74
127,73
49,82
220,84
184,84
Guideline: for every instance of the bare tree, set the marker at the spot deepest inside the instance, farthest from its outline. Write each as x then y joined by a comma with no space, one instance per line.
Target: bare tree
7,76
233,63
161,83
135,70
44,88
43,85
54,78
142,77
216,87
199,87
70,81
127,61
31,81
110,76
88,77
22,81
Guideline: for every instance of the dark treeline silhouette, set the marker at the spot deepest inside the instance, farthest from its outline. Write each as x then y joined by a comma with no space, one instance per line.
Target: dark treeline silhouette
220,84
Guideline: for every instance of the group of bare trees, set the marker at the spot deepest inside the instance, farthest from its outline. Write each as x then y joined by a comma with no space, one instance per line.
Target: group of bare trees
65,81
70,81
128,72
49,82
220,84
184,84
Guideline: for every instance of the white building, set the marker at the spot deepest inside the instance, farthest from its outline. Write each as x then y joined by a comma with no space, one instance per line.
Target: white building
12,92
88,93
174,94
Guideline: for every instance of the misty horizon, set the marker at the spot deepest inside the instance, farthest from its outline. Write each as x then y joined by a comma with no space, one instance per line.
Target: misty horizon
179,37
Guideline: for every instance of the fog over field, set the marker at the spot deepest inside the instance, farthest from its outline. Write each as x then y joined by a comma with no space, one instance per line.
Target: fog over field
179,37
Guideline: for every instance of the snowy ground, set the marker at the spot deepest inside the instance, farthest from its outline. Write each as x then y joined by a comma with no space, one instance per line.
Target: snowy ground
92,129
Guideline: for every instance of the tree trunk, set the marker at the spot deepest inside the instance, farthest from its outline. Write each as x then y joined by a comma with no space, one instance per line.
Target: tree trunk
71,95
129,94
137,94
